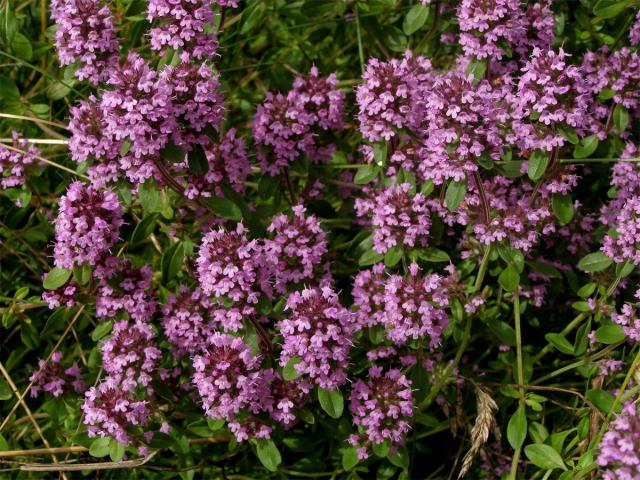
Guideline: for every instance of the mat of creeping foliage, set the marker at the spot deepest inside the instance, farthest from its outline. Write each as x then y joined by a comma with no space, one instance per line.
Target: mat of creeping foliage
320,239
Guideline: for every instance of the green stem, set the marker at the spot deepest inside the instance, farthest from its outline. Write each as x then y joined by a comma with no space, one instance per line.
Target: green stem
359,35
520,366
514,465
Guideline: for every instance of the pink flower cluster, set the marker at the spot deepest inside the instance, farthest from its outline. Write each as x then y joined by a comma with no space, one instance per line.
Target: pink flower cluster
52,378
619,455
14,161
397,217
287,127
297,246
382,407
317,334
87,226
628,319
410,307
86,34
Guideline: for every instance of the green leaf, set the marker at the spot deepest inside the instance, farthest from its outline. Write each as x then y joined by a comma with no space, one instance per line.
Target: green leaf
171,262
381,449
252,17
268,186
415,19
432,254
331,402
268,454
57,90
602,399
569,133
298,444
143,229
544,457
366,174
620,118
609,334
455,194
172,153
517,428
477,68
349,458
562,208
537,165
594,262
545,269
509,278
102,330
116,450
5,391
56,277
610,8
100,447
625,269
289,371
369,258
225,208
4,445
393,256
585,147
21,47
82,274
560,342
400,458
198,163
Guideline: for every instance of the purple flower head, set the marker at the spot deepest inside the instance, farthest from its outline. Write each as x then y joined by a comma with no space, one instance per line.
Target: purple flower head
318,332
228,378
183,25
629,320
462,124
616,75
138,109
550,93
286,127
89,134
288,396
228,265
414,307
13,164
297,246
486,25
52,378
124,289
66,295
619,457
228,162
387,97
86,34
369,297
381,407
196,100
624,243
397,217
634,32
249,428
87,226
130,354
110,410
187,321
625,178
